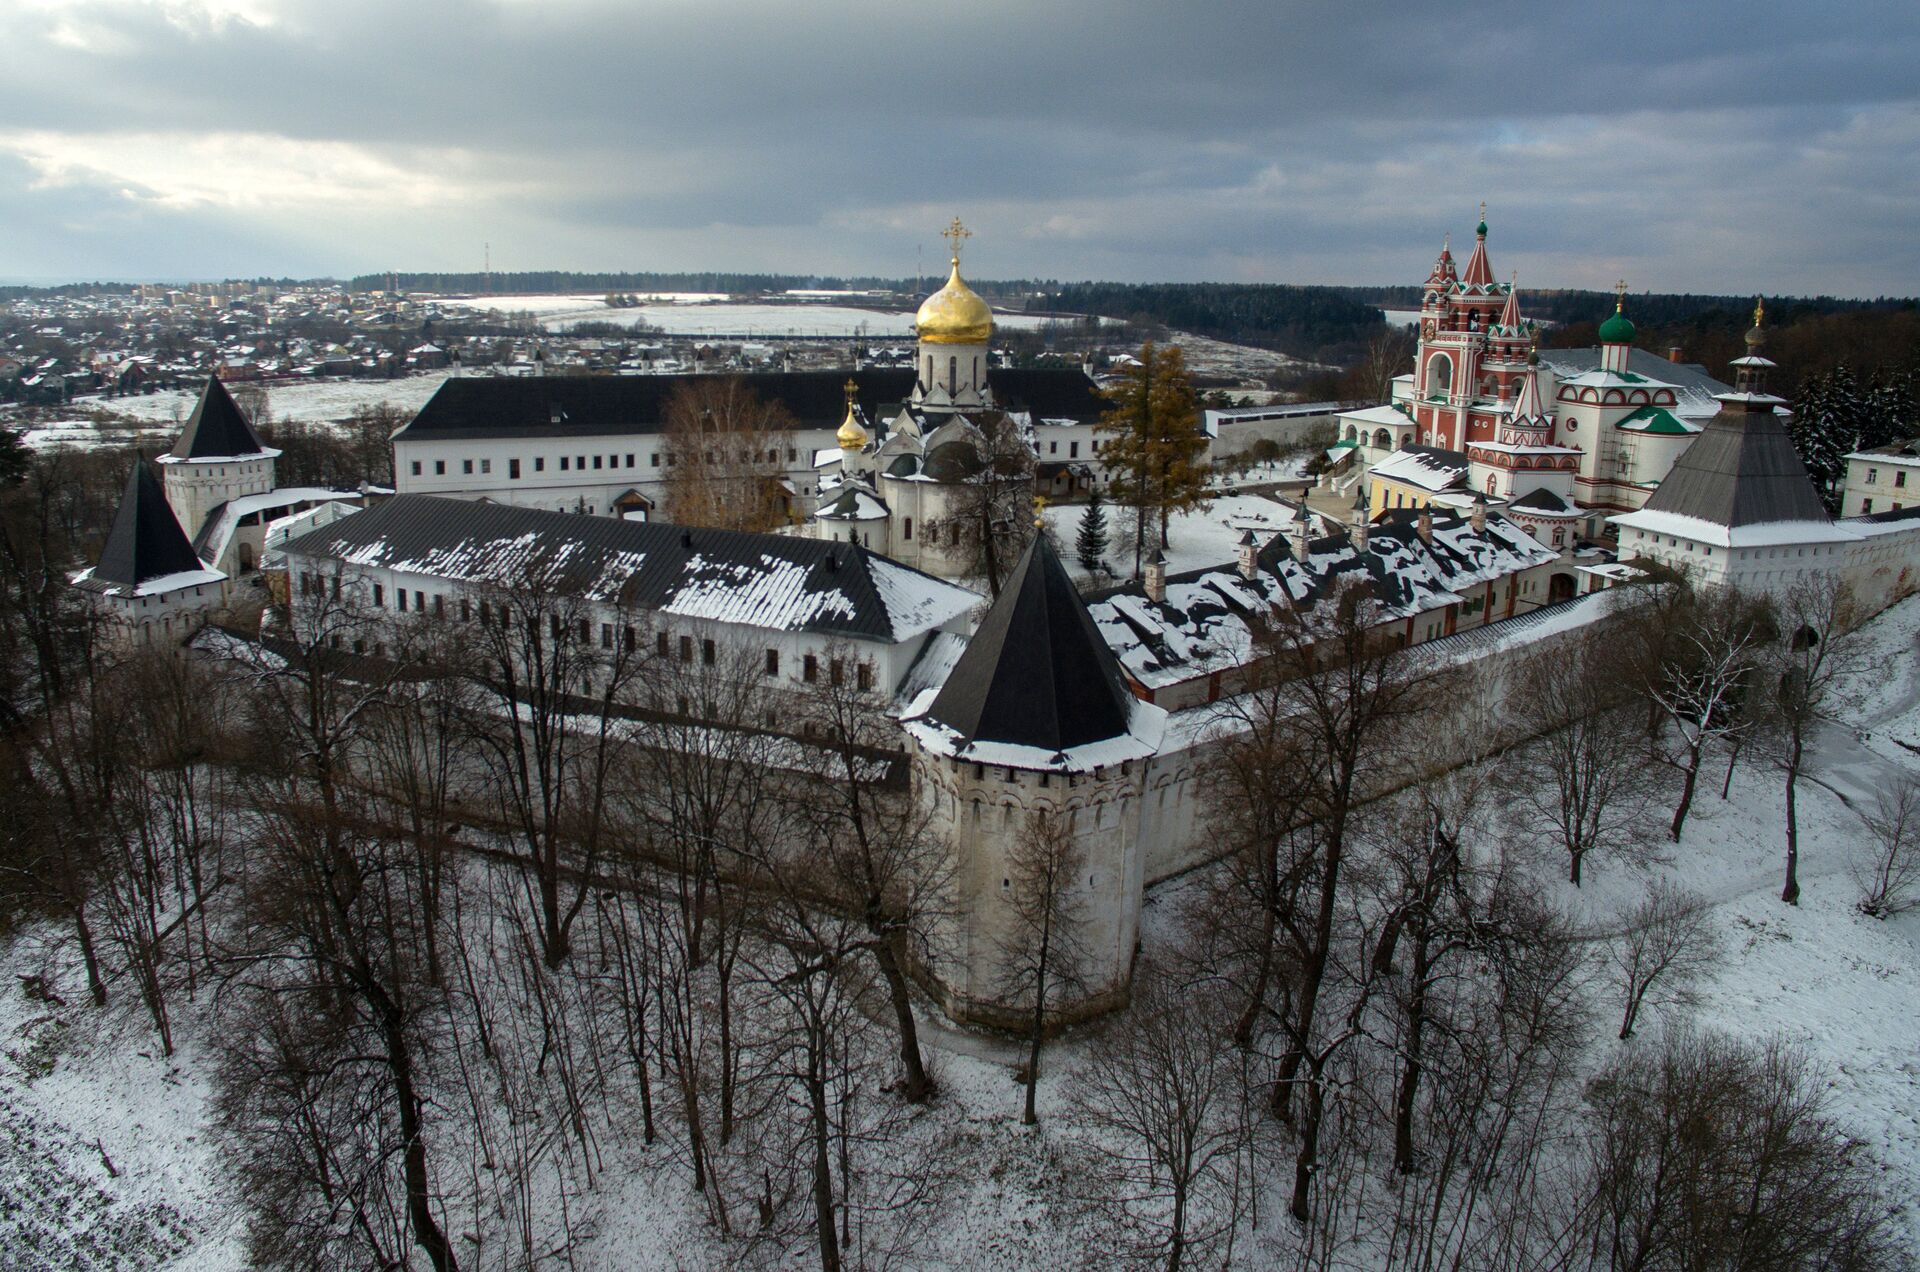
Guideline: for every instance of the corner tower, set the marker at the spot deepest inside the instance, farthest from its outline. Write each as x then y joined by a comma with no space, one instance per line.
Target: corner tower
218,457
955,328
1034,725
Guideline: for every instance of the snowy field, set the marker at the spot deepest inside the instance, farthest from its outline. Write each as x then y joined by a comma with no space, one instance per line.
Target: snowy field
80,1089
316,401
691,314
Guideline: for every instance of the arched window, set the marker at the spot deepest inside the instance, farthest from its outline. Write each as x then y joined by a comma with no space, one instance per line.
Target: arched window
953,375
907,529
1439,373
1491,478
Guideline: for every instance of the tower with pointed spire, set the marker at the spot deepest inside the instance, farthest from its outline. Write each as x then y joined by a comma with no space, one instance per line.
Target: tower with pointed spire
217,458
1035,732
148,582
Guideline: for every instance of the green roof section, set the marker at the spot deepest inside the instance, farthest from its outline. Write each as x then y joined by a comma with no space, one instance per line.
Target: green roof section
1617,329
1654,419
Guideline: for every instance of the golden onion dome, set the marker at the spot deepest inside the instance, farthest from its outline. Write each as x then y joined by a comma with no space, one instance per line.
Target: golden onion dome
852,435
954,314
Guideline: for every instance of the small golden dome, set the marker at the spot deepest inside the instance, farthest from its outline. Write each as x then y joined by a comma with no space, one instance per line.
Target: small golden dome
852,435
954,314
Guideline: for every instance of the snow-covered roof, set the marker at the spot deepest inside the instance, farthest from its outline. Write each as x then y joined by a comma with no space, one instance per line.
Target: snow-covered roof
1764,534
1376,416
158,585
1207,622
217,532
1428,467
778,582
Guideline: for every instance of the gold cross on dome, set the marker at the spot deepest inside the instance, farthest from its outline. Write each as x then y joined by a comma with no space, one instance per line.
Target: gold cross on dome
853,390
1619,295
954,234
1039,511
1759,310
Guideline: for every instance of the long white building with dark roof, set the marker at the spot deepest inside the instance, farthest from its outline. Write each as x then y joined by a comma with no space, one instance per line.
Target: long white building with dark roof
794,604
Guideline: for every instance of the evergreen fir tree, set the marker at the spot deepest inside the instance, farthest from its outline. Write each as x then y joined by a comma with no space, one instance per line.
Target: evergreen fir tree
1891,410
1153,448
1825,426
1090,546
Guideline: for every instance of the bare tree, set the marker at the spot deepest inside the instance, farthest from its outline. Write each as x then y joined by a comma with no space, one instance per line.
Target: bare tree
1698,687
870,843
1163,1091
1042,951
552,663
1668,945
1587,776
1888,871
726,445
992,507
1711,1153
1821,652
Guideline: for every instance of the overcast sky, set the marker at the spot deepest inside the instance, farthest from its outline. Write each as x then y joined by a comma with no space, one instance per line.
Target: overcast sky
1706,145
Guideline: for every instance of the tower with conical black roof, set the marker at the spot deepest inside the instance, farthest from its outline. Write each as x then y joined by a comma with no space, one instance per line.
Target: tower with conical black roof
148,577
217,457
1035,724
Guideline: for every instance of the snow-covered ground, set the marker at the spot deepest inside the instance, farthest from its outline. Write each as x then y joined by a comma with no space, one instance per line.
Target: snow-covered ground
694,314
314,400
79,1087
1203,537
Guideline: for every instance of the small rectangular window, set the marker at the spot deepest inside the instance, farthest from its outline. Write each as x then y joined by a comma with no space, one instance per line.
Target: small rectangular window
513,470
837,672
660,643
654,459
606,635
810,669
580,463
439,468
596,461
486,466
439,605
863,677
416,468
466,610
631,639
486,612
399,598
629,461
563,463
586,631
539,463
773,662
1073,450
420,601
466,467
707,653
686,649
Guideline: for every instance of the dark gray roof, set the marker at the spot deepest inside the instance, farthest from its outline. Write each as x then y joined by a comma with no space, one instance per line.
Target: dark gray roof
1740,471
765,580
217,428
1543,500
146,540
1690,376
599,405
1036,673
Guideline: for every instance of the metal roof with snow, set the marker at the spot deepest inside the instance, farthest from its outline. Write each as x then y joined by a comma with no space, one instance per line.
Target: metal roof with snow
779,582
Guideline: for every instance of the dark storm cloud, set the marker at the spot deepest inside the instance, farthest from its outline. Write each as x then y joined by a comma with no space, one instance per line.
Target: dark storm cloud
1723,146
